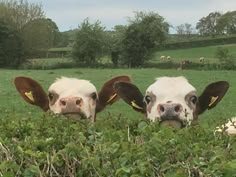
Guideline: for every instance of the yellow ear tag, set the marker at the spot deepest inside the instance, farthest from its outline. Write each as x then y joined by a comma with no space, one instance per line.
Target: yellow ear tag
135,105
29,95
213,100
112,97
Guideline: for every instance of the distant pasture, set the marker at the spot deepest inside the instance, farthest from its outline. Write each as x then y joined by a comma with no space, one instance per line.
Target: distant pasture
193,54
176,57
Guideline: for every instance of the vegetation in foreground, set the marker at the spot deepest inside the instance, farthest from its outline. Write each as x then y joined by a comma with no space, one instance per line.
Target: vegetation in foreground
121,142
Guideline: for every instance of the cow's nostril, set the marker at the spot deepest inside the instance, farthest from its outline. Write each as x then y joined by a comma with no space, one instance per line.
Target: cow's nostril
63,102
78,101
162,108
178,108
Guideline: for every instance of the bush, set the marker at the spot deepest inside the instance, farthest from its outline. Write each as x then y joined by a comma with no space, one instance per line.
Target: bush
227,61
114,146
200,42
89,43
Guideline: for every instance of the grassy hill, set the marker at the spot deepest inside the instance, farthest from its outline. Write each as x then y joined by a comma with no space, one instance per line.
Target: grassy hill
193,54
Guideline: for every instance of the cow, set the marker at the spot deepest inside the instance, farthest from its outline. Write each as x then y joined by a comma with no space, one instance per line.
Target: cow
172,100
201,59
162,58
168,58
76,98
183,64
229,128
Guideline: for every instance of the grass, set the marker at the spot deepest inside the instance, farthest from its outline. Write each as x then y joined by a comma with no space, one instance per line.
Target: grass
47,63
178,55
33,143
193,54
61,49
142,77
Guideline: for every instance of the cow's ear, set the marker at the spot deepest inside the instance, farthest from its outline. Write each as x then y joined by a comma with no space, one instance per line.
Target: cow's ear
32,92
131,95
212,95
107,94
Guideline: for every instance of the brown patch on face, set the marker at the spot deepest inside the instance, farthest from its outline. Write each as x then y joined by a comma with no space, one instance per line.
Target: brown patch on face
191,99
152,101
52,97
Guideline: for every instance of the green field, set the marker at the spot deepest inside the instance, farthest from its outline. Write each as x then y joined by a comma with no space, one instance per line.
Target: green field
178,55
121,142
47,63
143,78
193,54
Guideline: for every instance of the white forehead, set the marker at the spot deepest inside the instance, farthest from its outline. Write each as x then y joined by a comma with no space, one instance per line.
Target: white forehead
170,86
66,85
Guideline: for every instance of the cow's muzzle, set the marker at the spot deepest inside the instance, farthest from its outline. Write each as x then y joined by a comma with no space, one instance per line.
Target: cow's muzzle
170,115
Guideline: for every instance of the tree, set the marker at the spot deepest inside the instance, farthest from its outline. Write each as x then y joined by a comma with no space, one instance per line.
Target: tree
11,50
39,35
208,25
184,29
14,15
67,38
227,23
116,43
20,12
145,32
180,29
90,42
188,29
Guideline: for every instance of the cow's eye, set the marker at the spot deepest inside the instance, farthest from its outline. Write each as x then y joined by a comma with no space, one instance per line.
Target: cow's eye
147,99
194,99
94,95
50,96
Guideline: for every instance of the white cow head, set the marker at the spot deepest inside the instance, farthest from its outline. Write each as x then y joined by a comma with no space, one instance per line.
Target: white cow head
172,100
73,96
69,96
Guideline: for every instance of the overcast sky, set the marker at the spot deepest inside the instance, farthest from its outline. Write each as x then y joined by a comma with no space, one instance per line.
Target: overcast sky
70,13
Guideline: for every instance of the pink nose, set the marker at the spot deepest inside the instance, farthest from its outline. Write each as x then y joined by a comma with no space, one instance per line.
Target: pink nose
70,102
169,109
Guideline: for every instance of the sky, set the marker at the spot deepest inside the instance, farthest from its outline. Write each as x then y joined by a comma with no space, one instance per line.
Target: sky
70,13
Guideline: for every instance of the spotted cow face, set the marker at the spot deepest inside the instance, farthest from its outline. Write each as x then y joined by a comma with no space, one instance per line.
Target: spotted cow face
179,105
229,128
69,96
172,100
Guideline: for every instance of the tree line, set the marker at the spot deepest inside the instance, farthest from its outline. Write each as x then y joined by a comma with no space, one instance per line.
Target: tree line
26,32
133,45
